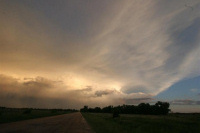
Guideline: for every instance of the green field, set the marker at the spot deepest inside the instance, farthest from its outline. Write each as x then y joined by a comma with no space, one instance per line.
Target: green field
13,114
172,123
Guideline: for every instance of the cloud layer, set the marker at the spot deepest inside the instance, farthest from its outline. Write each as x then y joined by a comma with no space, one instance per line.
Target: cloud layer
86,55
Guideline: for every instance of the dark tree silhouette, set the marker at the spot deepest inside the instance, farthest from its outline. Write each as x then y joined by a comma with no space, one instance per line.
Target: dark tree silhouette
84,109
160,108
115,112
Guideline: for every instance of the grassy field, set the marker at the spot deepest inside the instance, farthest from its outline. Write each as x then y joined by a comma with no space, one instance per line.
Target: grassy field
172,123
11,115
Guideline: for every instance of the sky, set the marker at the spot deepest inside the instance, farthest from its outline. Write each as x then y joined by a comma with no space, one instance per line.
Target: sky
71,53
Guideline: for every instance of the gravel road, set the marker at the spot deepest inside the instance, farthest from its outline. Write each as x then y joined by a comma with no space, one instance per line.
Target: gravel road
67,123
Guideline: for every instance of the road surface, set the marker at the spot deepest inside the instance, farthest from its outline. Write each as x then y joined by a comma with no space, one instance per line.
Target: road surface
67,123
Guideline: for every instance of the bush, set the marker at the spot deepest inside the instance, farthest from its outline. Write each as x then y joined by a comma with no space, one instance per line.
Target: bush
115,113
27,111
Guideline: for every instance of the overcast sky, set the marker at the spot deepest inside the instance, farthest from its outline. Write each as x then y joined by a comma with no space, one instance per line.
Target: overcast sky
66,54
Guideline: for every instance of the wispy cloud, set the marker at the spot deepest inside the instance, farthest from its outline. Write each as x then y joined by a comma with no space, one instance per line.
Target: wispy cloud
194,90
185,102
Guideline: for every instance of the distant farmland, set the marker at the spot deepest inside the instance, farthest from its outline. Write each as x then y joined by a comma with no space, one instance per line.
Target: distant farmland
172,123
17,114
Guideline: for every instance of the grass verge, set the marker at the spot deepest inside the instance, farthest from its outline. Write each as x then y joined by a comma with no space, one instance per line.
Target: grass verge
173,123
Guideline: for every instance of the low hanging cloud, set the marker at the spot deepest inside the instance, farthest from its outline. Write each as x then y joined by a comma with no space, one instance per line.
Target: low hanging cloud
185,102
37,92
86,89
139,100
104,92
45,93
41,92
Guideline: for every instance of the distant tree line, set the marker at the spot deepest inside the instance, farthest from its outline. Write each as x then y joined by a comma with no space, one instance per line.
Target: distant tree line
160,108
29,110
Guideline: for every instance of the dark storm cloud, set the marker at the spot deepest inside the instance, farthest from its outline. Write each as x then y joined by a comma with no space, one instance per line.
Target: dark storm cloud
38,92
37,102
28,78
36,86
87,88
138,100
16,93
104,92
39,82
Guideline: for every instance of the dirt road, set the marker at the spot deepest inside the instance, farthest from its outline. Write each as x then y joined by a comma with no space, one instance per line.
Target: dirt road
68,123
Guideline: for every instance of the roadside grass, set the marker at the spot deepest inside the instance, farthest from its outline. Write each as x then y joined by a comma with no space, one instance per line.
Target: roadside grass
172,123
12,115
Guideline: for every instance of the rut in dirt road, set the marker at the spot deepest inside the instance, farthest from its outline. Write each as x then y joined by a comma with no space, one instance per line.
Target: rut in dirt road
67,123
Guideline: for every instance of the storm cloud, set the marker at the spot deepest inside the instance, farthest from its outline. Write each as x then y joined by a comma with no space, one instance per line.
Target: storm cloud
139,100
104,92
76,52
